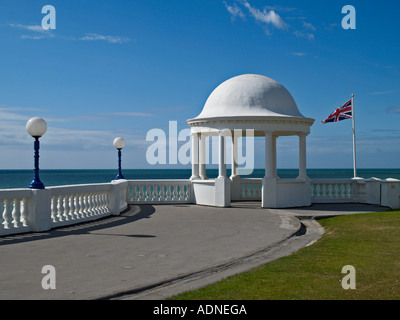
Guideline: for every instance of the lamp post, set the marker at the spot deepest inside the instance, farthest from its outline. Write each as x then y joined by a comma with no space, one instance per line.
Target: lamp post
119,143
36,127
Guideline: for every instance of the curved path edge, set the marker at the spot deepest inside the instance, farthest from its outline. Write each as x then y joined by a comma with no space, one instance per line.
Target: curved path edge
308,233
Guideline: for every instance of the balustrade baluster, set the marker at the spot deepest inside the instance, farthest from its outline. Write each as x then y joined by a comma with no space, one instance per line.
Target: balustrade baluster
24,212
329,190
155,193
67,212
174,193
100,201
107,201
181,193
162,192
93,204
97,204
324,195
141,192
318,190
73,207
16,213
7,214
83,205
65,205
82,210
334,192
169,192
60,208
54,210
134,193
103,202
148,193
78,207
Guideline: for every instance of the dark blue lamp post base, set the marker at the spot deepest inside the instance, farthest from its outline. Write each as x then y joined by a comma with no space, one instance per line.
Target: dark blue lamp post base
119,175
36,183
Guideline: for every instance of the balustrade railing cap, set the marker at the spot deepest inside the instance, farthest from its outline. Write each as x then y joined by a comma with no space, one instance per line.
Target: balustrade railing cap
358,179
391,180
373,179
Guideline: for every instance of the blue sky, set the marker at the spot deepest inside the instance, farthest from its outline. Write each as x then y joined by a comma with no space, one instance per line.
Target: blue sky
122,68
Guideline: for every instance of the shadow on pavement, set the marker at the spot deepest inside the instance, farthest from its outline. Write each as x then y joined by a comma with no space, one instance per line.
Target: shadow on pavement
131,214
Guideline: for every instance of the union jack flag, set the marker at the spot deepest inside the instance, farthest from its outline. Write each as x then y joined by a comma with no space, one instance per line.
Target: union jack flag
342,113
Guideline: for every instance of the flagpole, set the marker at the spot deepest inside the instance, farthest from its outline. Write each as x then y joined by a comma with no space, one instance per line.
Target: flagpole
354,136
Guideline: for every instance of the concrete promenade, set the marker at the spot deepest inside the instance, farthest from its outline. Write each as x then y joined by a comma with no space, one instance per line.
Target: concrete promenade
152,252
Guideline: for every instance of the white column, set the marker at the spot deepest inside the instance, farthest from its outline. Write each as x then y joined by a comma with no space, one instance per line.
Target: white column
275,173
302,156
202,159
269,155
222,161
234,167
195,156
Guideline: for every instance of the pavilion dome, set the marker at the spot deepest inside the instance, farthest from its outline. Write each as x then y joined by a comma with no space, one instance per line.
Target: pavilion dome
250,95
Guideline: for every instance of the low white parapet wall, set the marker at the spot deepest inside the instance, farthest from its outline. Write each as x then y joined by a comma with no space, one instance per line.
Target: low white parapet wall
204,192
26,210
30,210
334,190
159,191
357,190
390,196
293,193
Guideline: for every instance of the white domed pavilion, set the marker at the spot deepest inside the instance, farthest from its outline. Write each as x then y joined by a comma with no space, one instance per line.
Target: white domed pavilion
250,105
250,95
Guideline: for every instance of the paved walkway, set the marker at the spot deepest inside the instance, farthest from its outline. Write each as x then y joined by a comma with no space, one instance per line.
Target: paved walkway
151,252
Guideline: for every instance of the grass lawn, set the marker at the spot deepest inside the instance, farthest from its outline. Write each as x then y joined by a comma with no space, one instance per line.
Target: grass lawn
369,242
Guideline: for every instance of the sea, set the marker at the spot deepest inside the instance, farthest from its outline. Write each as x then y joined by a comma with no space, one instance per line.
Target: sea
21,178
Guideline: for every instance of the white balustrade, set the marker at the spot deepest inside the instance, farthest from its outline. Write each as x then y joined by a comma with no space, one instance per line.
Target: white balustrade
159,191
78,203
14,210
250,189
25,210
332,190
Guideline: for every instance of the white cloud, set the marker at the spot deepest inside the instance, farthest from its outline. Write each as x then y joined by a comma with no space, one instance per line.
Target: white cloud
235,11
38,31
306,35
37,37
34,28
280,8
13,131
269,18
110,39
393,110
131,114
265,16
308,26
299,54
